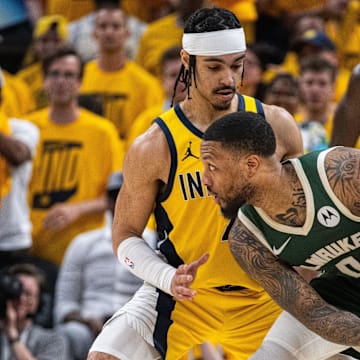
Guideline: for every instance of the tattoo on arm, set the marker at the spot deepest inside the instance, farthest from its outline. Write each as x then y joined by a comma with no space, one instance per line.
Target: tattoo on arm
290,291
342,167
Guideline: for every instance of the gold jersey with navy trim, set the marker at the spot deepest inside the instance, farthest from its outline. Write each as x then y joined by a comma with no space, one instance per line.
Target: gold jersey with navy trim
230,308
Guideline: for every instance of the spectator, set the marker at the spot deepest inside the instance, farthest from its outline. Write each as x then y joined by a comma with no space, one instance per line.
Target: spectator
91,284
254,66
283,90
317,83
20,338
49,35
17,96
76,153
16,23
164,33
81,32
170,67
122,86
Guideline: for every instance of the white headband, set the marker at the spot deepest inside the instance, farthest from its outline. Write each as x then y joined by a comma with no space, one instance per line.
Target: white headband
214,43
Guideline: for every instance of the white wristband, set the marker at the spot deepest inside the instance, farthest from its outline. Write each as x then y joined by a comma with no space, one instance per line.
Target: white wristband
141,260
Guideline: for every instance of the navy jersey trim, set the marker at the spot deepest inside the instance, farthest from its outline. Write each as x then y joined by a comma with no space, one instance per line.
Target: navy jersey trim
241,103
259,107
187,122
173,154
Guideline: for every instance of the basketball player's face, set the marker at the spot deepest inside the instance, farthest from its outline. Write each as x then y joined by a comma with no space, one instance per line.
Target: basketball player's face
225,177
217,78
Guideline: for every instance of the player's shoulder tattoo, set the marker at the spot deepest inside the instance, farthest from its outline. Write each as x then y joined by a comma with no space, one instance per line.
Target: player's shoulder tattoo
342,167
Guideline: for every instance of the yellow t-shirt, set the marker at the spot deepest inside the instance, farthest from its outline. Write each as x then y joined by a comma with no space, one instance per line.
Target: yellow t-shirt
123,94
32,75
71,9
159,36
72,163
18,98
143,122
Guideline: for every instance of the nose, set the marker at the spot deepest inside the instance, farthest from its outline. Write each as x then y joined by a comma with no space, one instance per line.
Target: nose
228,78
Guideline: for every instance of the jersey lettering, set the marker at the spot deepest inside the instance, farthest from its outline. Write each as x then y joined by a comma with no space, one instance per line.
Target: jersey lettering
191,186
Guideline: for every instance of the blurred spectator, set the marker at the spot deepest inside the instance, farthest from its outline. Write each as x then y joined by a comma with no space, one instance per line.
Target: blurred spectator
317,83
343,27
81,32
146,10
170,67
164,33
49,35
313,42
254,66
20,338
17,96
346,130
16,23
122,86
283,90
76,153
70,9
245,11
91,284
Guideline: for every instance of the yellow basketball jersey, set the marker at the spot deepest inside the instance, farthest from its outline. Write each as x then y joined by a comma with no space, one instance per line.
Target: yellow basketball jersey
189,222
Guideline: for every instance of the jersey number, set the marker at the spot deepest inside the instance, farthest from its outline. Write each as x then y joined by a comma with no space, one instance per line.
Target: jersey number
349,266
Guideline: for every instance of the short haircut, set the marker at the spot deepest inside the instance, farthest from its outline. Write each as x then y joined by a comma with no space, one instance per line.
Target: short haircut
316,63
243,132
59,54
30,270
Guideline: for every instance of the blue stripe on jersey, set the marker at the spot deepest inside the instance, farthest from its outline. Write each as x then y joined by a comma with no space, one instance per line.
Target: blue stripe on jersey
173,154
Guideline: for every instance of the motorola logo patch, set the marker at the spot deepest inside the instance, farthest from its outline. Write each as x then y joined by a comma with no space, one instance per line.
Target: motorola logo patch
328,216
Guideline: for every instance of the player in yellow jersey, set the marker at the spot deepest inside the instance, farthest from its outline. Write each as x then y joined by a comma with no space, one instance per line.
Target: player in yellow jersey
194,290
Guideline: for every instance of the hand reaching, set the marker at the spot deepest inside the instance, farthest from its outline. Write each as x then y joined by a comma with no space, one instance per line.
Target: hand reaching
184,277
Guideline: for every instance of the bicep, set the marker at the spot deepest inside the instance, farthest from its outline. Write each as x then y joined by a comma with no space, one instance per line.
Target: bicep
137,196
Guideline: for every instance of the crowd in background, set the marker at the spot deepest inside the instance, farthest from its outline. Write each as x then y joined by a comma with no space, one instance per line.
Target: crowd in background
80,81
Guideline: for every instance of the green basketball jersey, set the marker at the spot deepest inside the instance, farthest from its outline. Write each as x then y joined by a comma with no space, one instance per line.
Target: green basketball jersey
328,241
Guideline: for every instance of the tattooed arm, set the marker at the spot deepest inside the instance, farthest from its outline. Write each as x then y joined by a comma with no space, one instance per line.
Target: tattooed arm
291,291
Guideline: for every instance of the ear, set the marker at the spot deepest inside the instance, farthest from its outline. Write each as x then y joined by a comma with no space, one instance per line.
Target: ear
185,58
252,164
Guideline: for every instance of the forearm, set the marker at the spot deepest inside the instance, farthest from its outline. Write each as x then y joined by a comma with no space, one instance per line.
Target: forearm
142,261
13,150
93,206
19,348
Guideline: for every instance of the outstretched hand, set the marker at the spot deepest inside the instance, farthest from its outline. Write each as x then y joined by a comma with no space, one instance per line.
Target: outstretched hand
184,277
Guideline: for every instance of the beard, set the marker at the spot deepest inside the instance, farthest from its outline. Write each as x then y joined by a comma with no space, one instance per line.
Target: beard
232,207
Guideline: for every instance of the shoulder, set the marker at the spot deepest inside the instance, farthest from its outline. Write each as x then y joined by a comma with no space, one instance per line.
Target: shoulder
97,121
287,132
40,117
149,153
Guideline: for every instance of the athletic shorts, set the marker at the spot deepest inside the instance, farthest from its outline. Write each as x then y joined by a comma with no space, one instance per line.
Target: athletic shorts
236,319
303,344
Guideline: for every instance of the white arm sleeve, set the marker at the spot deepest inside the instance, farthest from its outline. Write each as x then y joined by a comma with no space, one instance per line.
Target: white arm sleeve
143,262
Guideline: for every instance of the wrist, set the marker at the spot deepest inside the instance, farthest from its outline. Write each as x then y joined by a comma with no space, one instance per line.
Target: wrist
13,339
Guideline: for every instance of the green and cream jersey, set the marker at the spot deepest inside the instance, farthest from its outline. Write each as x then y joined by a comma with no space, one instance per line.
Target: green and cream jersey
329,240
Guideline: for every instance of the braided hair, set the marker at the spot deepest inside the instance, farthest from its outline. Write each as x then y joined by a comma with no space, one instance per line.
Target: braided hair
202,21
